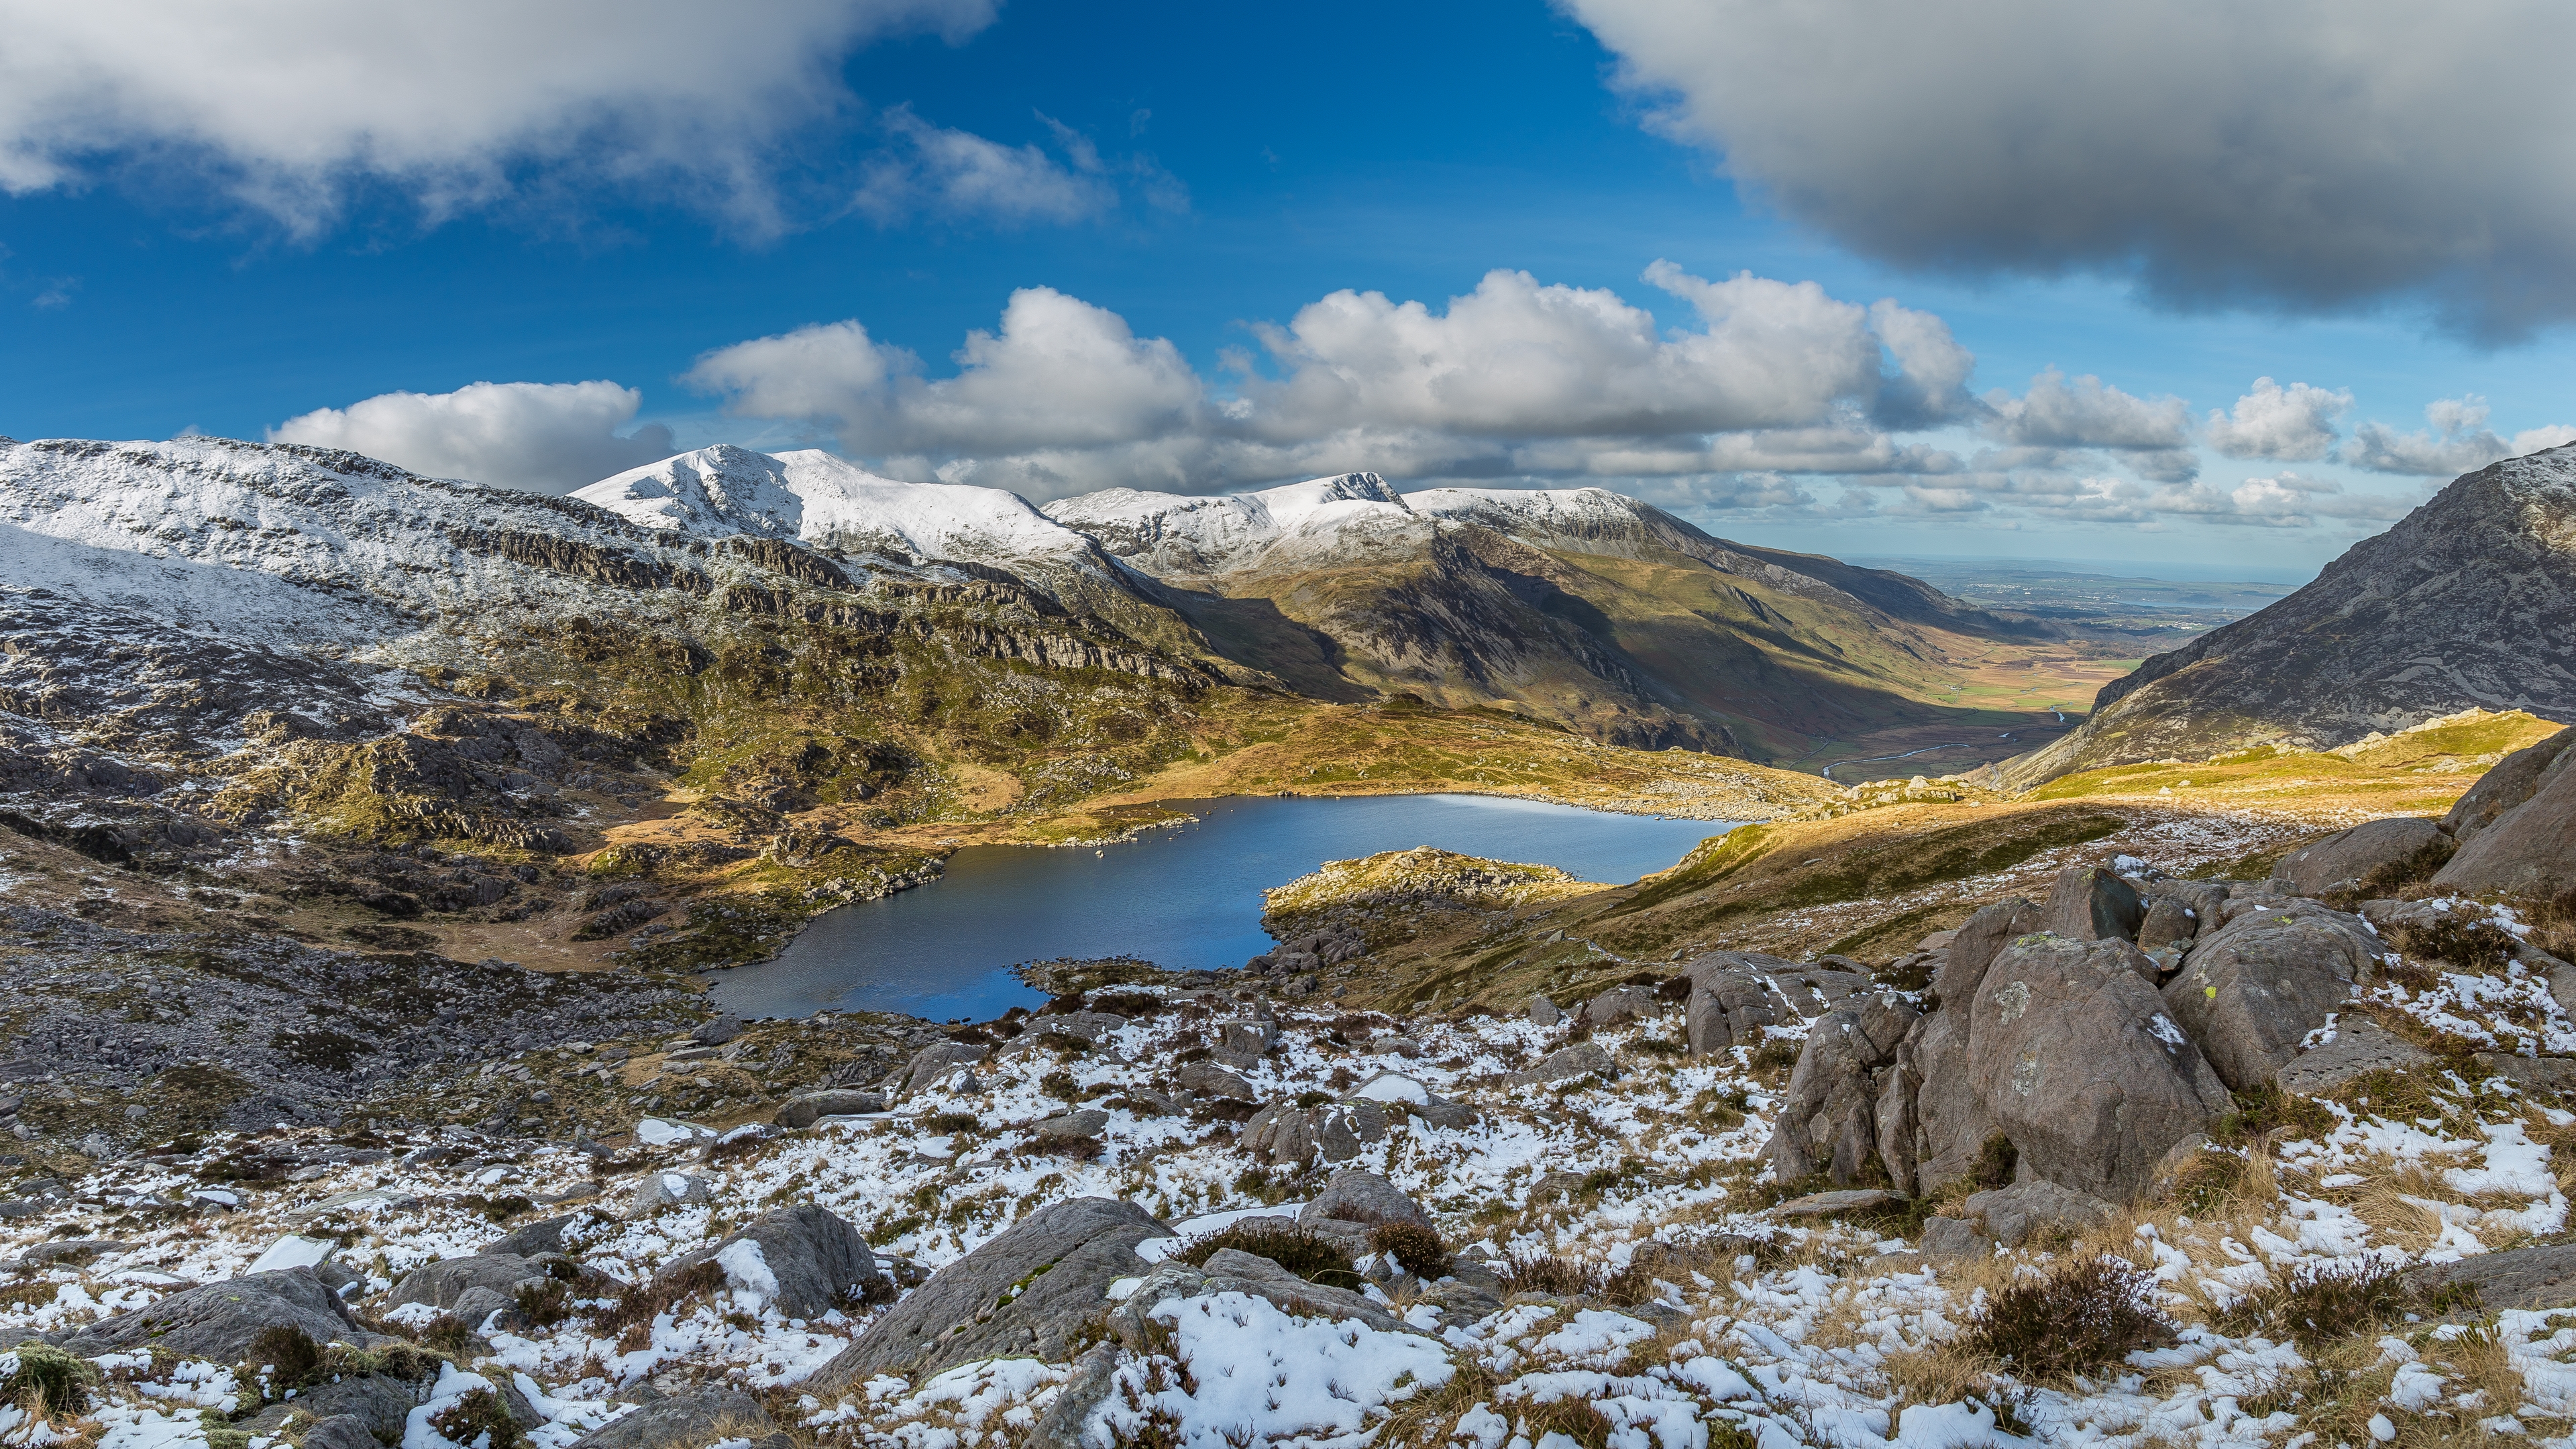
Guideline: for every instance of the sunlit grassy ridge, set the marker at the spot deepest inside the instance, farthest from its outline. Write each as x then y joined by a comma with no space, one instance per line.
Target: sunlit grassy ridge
2414,772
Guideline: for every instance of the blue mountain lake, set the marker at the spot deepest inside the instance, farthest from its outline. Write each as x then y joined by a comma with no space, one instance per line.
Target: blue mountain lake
1186,897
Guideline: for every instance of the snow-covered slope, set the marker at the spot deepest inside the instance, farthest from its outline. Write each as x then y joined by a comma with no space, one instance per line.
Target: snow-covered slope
816,498
1349,519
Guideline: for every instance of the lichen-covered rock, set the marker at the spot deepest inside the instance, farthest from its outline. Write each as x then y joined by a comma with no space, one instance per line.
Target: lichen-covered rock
1024,1293
1931,1122
1987,931
2250,992
441,1284
1210,1080
1621,1003
2082,1066
1564,1064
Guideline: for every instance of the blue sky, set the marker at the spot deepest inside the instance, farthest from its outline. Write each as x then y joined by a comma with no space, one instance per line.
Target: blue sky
1201,174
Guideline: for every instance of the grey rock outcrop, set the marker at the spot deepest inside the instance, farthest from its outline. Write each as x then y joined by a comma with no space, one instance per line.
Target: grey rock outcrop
2372,856
1210,1080
1953,1240
2528,850
2009,1215
1543,1012
1736,994
1828,1120
1621,1003
1566,1063
1082,1126
666,1189
342,1431
809,1262
2360,1045
936,1061
1977,942
807,1108
688,1421
1230,1270
2250,992
1931,1122
1284,1134
2526,1278
444,1283
1025,1292
1362,1198
2508,783
2082,1067
219,1320
2089,903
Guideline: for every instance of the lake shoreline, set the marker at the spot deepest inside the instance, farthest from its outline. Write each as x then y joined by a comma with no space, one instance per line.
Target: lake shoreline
1492,810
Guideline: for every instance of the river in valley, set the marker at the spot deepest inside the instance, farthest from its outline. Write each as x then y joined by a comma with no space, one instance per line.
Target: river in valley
1186,897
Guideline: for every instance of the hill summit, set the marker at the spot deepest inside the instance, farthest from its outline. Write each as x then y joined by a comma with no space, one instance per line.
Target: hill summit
2461,605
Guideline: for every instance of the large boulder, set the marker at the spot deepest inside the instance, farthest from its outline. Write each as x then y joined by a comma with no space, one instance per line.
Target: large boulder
2089,903
2359,1045
1974,946
443,1284
802,1260
2081,1065
219,1320
1284,1134
2368,857
2509,783
934,1062
2009,1215
1025,1293
1231,1270
1620,1003
1736,994
1931,1123
2248,993
807,1108
2527,851
1360,1199
1829,1118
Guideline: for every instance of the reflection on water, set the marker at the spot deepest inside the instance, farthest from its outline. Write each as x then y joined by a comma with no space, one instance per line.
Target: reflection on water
1188,897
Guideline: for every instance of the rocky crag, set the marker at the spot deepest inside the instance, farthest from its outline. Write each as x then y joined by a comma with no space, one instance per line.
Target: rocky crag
2464,604
1762,1200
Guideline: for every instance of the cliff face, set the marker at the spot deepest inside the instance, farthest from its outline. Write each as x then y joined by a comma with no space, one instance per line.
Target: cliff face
2470,601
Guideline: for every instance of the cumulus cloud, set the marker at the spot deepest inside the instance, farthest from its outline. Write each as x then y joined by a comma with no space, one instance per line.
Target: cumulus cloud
290,100
2294,424
2459,442
2152,434
930,170
1515,379
2306,156
548,437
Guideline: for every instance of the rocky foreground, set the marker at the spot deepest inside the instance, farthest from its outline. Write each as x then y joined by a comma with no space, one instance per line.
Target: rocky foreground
2149,1160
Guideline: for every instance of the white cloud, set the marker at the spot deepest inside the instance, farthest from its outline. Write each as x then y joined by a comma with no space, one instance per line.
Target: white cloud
2305,155
292,99
549,437
959,175
2088,413
1516,379
2294,424
2460,442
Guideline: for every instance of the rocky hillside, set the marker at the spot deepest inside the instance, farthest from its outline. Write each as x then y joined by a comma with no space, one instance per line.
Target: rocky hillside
2465,603
1583,605
2152,1158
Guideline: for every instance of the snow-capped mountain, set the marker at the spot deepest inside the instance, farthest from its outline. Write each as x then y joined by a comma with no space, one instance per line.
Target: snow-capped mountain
1351,518
815,498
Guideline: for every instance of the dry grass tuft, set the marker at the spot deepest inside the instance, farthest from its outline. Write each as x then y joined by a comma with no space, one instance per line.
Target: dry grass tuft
2084,1314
